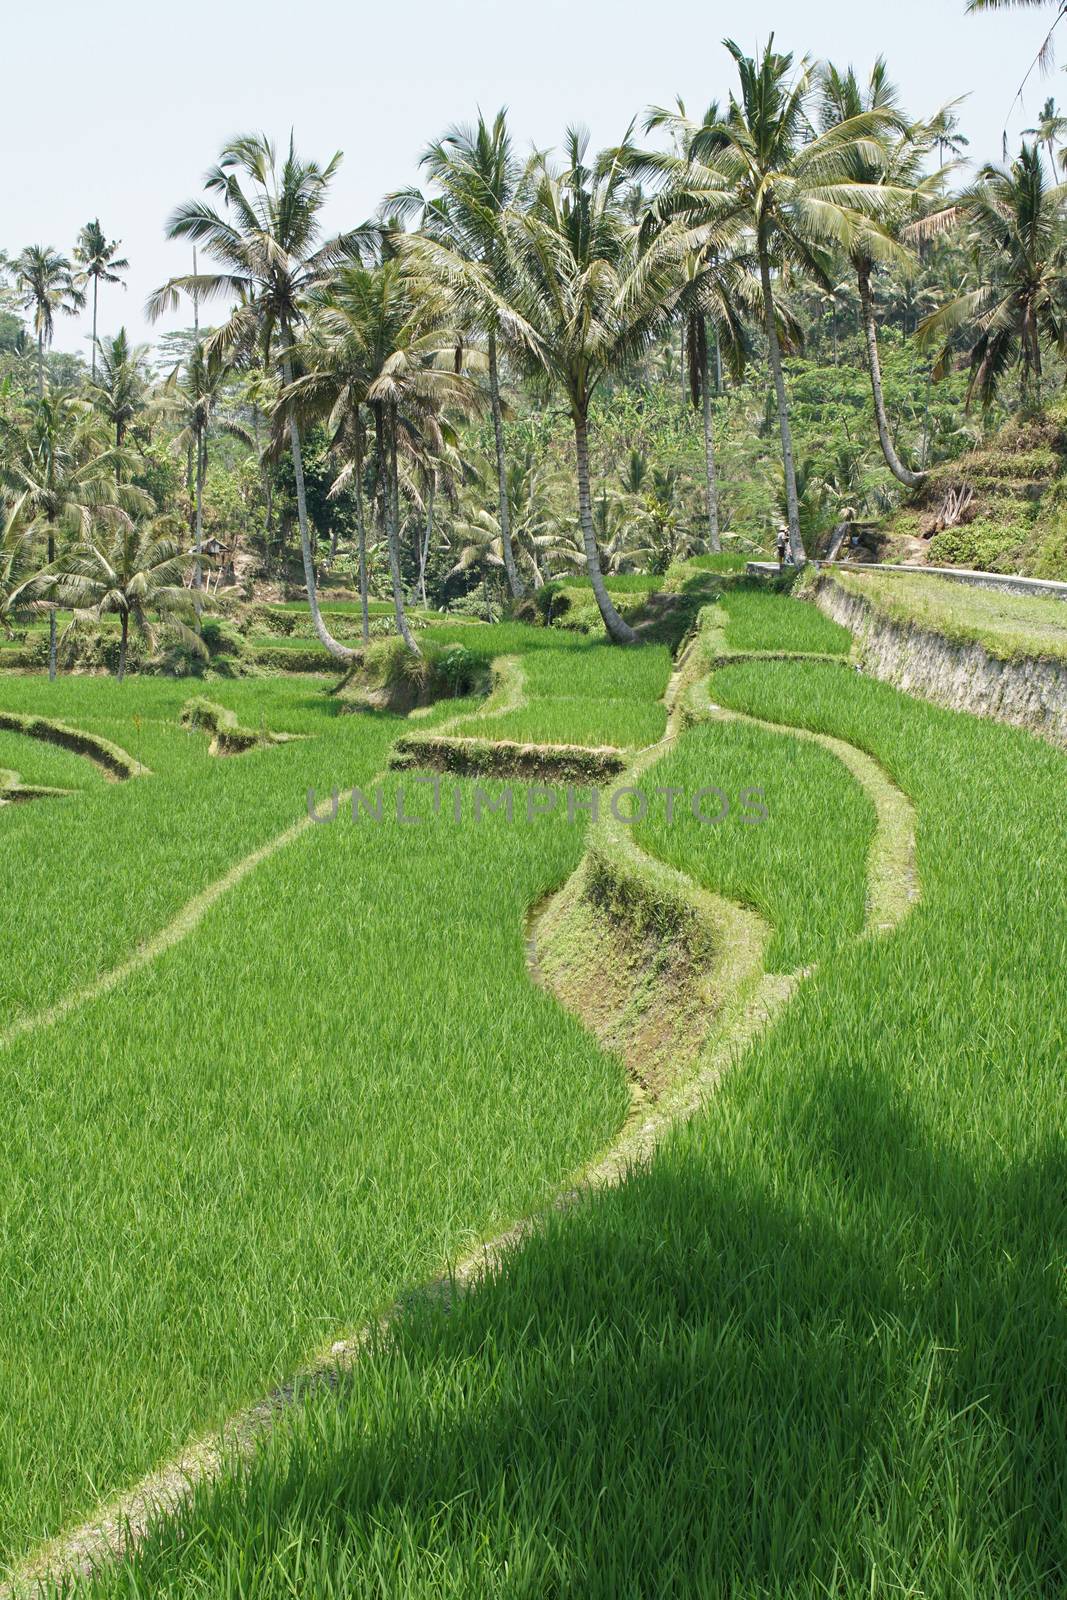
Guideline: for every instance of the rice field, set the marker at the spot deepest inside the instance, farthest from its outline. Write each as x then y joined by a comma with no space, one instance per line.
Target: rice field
270,1067
761,620
811,1348
268,1132
594,695
815,1348
804,867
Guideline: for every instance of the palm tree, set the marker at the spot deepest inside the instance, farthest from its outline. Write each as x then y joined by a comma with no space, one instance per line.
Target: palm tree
192,394
479,180
380,339
893,164
1051,127
270,247
538,540
120,394
1014,228
712,280
797,192
338,366
582,296
97,256
138,571
944,131
62,476
17,540
46,282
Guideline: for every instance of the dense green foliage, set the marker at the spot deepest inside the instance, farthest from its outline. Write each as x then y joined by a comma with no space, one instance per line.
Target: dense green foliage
397,405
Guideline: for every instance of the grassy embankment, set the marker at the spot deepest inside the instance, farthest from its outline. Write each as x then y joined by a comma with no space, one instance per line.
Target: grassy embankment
1007,626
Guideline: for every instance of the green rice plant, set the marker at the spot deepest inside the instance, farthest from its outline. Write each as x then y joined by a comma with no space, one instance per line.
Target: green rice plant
759,619
594,694
264,1136
717,561
167,836
45,765
813,1348
803,866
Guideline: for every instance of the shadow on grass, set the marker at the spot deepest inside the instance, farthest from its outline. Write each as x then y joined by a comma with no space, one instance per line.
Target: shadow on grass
698,1384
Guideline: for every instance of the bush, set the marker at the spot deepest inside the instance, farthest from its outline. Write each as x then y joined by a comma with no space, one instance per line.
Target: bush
989,544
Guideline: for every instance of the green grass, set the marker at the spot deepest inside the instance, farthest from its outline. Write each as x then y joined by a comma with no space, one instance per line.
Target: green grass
595,694
124,858
1008,626
815,1349
759,619
292,1125
43,764
720,561
804,868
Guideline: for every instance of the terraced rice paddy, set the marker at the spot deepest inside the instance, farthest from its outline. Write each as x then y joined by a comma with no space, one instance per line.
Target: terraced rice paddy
812,1347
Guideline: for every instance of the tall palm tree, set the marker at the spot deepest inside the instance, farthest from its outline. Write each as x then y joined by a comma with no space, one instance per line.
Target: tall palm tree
192,394
478,180
47,285
99,260
268,241
584,295
137,572
120,394
381,338
797,192
1014,227
61,474
707,296
1051,127
944,130
894,163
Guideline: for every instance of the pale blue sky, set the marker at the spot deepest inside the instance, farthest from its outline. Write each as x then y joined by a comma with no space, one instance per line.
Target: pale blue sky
117,110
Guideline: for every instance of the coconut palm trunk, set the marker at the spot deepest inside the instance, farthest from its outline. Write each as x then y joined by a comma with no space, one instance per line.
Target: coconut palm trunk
904,474
52,651
96,289
198,526
425,551
40,365
774,356
123,640
361,532
619,630
515,583
714,539
385,423
339,651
